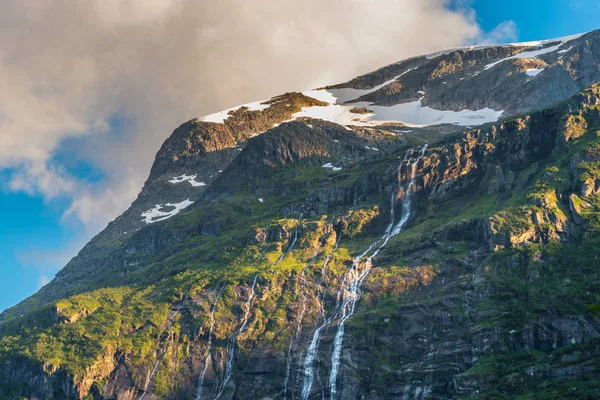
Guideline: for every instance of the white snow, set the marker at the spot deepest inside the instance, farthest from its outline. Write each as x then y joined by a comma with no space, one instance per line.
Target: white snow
182,178
189,178
330,165
221,116
534,71
321,95
537,52
260,199
564,51
156,215
346,94
522,44
410,114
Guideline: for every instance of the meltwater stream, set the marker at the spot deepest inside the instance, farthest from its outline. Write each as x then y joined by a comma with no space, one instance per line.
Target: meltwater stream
350,290
231,340
300,317
209,345
311,352
162,356
356,278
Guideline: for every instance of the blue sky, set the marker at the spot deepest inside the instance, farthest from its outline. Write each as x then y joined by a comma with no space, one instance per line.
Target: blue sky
37,239
540,19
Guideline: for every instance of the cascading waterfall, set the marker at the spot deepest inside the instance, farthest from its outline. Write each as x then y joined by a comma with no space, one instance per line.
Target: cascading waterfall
232,339
262,252
354,279
311,352
162,356
300,317
209,345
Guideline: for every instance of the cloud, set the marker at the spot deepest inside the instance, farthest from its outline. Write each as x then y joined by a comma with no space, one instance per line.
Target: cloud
48,261
43,280
68,70
505,32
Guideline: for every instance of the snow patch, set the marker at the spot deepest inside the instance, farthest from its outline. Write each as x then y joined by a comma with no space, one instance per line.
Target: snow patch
189,178
564,51
331,166
410,114
182,178
534,71
321,95
155,214
221,116
522,44
538,52
346,94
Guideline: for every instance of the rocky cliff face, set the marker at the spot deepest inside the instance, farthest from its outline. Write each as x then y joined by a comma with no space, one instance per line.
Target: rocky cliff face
404,235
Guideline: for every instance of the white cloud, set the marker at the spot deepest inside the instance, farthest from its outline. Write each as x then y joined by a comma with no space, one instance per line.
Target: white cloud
505,32
43,280
67,68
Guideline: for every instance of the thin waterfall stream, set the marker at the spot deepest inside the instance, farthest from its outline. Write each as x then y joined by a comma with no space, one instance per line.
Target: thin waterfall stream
350,288
356,278
232,339
162,356
209,345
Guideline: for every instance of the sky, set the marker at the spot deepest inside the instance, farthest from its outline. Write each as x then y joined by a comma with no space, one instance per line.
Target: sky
91,89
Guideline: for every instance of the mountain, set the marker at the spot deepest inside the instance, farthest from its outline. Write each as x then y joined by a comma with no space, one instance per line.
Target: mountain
429,230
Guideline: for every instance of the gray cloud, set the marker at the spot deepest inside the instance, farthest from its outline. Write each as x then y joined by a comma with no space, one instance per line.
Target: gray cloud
68,69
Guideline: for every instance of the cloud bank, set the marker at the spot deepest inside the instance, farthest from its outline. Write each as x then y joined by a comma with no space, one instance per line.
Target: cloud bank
104,82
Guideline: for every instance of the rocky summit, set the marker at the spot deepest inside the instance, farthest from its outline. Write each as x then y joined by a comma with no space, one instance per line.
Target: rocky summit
430,230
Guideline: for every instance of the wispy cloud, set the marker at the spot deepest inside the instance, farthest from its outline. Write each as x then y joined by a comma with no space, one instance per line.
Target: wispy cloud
43,280
505,32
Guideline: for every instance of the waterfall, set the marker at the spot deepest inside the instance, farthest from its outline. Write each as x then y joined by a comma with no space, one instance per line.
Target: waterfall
311,352
162,356
209,345
232,340
300,317
355,279
262,252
